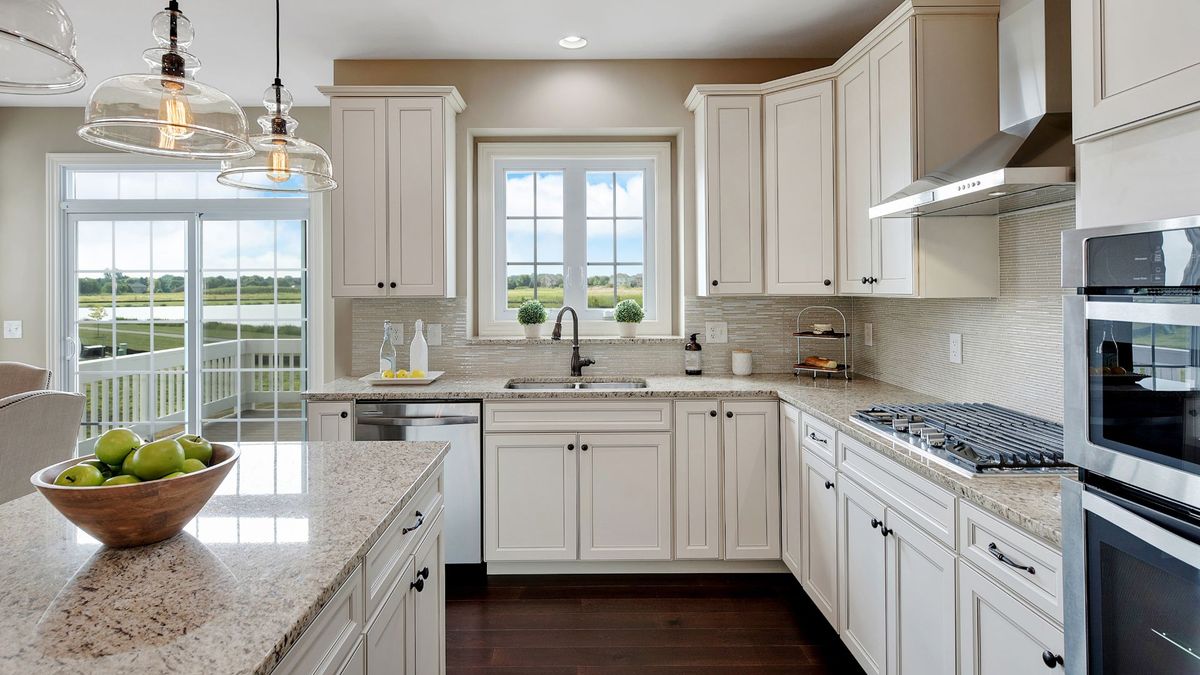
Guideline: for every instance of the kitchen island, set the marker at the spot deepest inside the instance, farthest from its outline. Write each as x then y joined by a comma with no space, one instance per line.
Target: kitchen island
235,592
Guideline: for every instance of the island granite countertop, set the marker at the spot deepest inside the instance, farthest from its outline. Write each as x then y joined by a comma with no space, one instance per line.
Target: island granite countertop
229,595
1032,502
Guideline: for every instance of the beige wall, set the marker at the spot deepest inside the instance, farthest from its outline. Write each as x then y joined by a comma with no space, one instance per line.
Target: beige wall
27,135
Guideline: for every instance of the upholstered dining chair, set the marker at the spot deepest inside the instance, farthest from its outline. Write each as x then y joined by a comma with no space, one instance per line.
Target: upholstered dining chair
38,427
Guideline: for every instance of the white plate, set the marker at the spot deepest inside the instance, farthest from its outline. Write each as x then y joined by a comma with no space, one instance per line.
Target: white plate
375,379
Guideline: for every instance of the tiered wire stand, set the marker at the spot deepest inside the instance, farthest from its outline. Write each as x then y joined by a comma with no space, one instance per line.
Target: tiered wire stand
843,367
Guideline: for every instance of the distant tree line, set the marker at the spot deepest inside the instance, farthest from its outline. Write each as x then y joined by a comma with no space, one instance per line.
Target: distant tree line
173,283
556,281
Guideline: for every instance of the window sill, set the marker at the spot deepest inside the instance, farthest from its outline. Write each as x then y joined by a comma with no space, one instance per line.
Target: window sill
583,339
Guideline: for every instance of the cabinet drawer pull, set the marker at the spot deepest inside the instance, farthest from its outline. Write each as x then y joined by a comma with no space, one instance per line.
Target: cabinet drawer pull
420,522
813,435
1051,659
828,485
419,584
995,551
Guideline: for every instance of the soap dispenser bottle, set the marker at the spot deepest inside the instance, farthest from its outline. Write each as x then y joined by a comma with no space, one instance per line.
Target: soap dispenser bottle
691,357
418,351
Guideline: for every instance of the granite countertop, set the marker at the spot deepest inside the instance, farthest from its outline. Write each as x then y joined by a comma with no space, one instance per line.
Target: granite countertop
1032,502
232,593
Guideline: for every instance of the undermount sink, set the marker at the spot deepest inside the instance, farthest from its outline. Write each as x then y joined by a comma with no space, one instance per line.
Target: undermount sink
567,385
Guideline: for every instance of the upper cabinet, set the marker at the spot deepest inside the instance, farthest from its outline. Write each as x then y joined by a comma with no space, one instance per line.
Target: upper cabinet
393,217
1132,61
729,189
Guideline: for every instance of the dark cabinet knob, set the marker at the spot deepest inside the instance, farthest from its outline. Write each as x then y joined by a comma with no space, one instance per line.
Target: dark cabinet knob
729,414
827,282
583,447
715,282
345,414
828,485
876,523
570,446
393,284
1051,659
380,284
864,280
873,280
419,584
424,573
712,413
885,531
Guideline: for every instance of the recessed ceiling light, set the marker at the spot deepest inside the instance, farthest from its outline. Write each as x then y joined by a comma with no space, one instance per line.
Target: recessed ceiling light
572,42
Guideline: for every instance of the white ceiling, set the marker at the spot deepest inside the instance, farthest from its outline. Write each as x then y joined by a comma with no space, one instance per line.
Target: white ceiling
235,38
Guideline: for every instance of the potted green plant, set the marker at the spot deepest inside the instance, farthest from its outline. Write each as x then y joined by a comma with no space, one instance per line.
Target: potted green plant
532,315
629,314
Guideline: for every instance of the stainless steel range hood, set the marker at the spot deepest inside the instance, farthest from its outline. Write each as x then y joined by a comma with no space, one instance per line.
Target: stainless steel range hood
1031,161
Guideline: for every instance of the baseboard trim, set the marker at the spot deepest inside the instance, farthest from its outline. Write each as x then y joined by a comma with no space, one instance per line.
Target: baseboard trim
638,567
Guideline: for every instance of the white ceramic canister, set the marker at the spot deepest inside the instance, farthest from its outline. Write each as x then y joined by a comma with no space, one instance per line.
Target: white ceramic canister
742,362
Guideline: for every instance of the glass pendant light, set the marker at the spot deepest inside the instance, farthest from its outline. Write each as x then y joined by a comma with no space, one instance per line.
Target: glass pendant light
37,49
166,112
281,162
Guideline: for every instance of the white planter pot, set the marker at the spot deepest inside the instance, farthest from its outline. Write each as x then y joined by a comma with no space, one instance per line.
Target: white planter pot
532,330
627,330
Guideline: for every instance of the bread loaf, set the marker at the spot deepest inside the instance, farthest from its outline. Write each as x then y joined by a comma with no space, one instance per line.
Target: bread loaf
818,362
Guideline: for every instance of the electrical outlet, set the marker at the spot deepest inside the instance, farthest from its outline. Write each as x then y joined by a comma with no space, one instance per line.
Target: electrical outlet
12,330
869,334
716,332
433,334
956,348
397,333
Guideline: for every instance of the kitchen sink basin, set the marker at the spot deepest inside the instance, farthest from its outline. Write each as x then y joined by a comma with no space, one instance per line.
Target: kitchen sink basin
571,385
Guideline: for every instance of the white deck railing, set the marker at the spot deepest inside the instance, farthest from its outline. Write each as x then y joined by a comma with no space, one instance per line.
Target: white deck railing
120,390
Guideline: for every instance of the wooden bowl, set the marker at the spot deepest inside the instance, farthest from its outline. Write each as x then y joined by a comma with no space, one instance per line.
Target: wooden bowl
138,514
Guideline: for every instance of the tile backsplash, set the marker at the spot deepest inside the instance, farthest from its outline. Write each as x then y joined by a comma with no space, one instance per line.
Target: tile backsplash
1012,345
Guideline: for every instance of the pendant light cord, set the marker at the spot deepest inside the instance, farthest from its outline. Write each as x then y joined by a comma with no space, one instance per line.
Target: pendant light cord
278,82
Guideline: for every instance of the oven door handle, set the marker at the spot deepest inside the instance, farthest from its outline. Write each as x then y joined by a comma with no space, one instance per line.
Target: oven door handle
1162,313
417,421
1164,540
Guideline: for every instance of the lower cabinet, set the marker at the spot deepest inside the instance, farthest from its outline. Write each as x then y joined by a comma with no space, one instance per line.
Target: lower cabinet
390,639
1000,635
330,420
863,583
818,533
697,480
792,496
751,448
577,497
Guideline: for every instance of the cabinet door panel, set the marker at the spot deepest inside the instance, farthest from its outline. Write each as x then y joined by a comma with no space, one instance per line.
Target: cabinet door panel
360,218
429,618
789,436
416,196
997,634
921,602
751,434
734,192
529,497
697,480
798,194
330,421
390,637
855,236
894,256
863,577
625,497
819,545
892,113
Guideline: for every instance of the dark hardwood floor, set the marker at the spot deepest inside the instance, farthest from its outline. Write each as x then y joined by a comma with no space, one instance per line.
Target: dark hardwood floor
668,623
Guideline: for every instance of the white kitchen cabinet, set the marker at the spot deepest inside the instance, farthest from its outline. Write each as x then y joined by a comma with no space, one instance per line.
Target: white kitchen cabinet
429,617
393,231
530,489
798,190
330,420
332,637
729,200
792,488
751,481
920,601
697,480
390,635
625,496
998,634
819,533
863,577
357,663
855,229
1132,61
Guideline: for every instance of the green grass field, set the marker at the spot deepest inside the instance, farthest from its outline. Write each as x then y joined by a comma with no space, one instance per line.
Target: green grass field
136,337
217,296
598,298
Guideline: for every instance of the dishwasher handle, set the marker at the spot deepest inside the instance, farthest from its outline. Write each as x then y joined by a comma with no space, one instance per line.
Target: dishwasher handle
417,421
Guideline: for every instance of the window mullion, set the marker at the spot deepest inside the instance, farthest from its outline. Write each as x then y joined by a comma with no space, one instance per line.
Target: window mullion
575,237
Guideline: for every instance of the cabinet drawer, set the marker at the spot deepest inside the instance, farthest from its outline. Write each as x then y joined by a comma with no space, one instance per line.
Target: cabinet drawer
576,416
820,438
331,637
1033,571
928,506
383,563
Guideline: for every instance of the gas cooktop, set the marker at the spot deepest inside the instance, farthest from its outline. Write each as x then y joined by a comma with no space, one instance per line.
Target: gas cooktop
971,438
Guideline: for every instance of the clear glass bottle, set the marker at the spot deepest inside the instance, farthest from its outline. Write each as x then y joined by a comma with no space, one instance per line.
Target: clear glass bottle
387,353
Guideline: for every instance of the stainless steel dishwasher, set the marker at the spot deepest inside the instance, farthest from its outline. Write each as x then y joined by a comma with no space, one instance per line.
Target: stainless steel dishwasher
457,422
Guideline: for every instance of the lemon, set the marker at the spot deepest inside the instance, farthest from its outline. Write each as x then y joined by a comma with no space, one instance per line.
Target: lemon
387,374
402,373
417,374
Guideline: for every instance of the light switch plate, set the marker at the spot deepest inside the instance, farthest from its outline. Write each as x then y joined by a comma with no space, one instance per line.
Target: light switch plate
956,348
12,330
716,332
869,334
433,334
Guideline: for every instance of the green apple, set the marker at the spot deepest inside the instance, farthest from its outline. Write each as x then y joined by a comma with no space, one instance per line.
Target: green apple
177,474
80,475
157,459
127,466
122,480
195,447
105,469
192,465
115,444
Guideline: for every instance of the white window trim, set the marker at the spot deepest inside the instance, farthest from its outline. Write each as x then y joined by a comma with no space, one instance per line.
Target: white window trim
659,258
319,300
